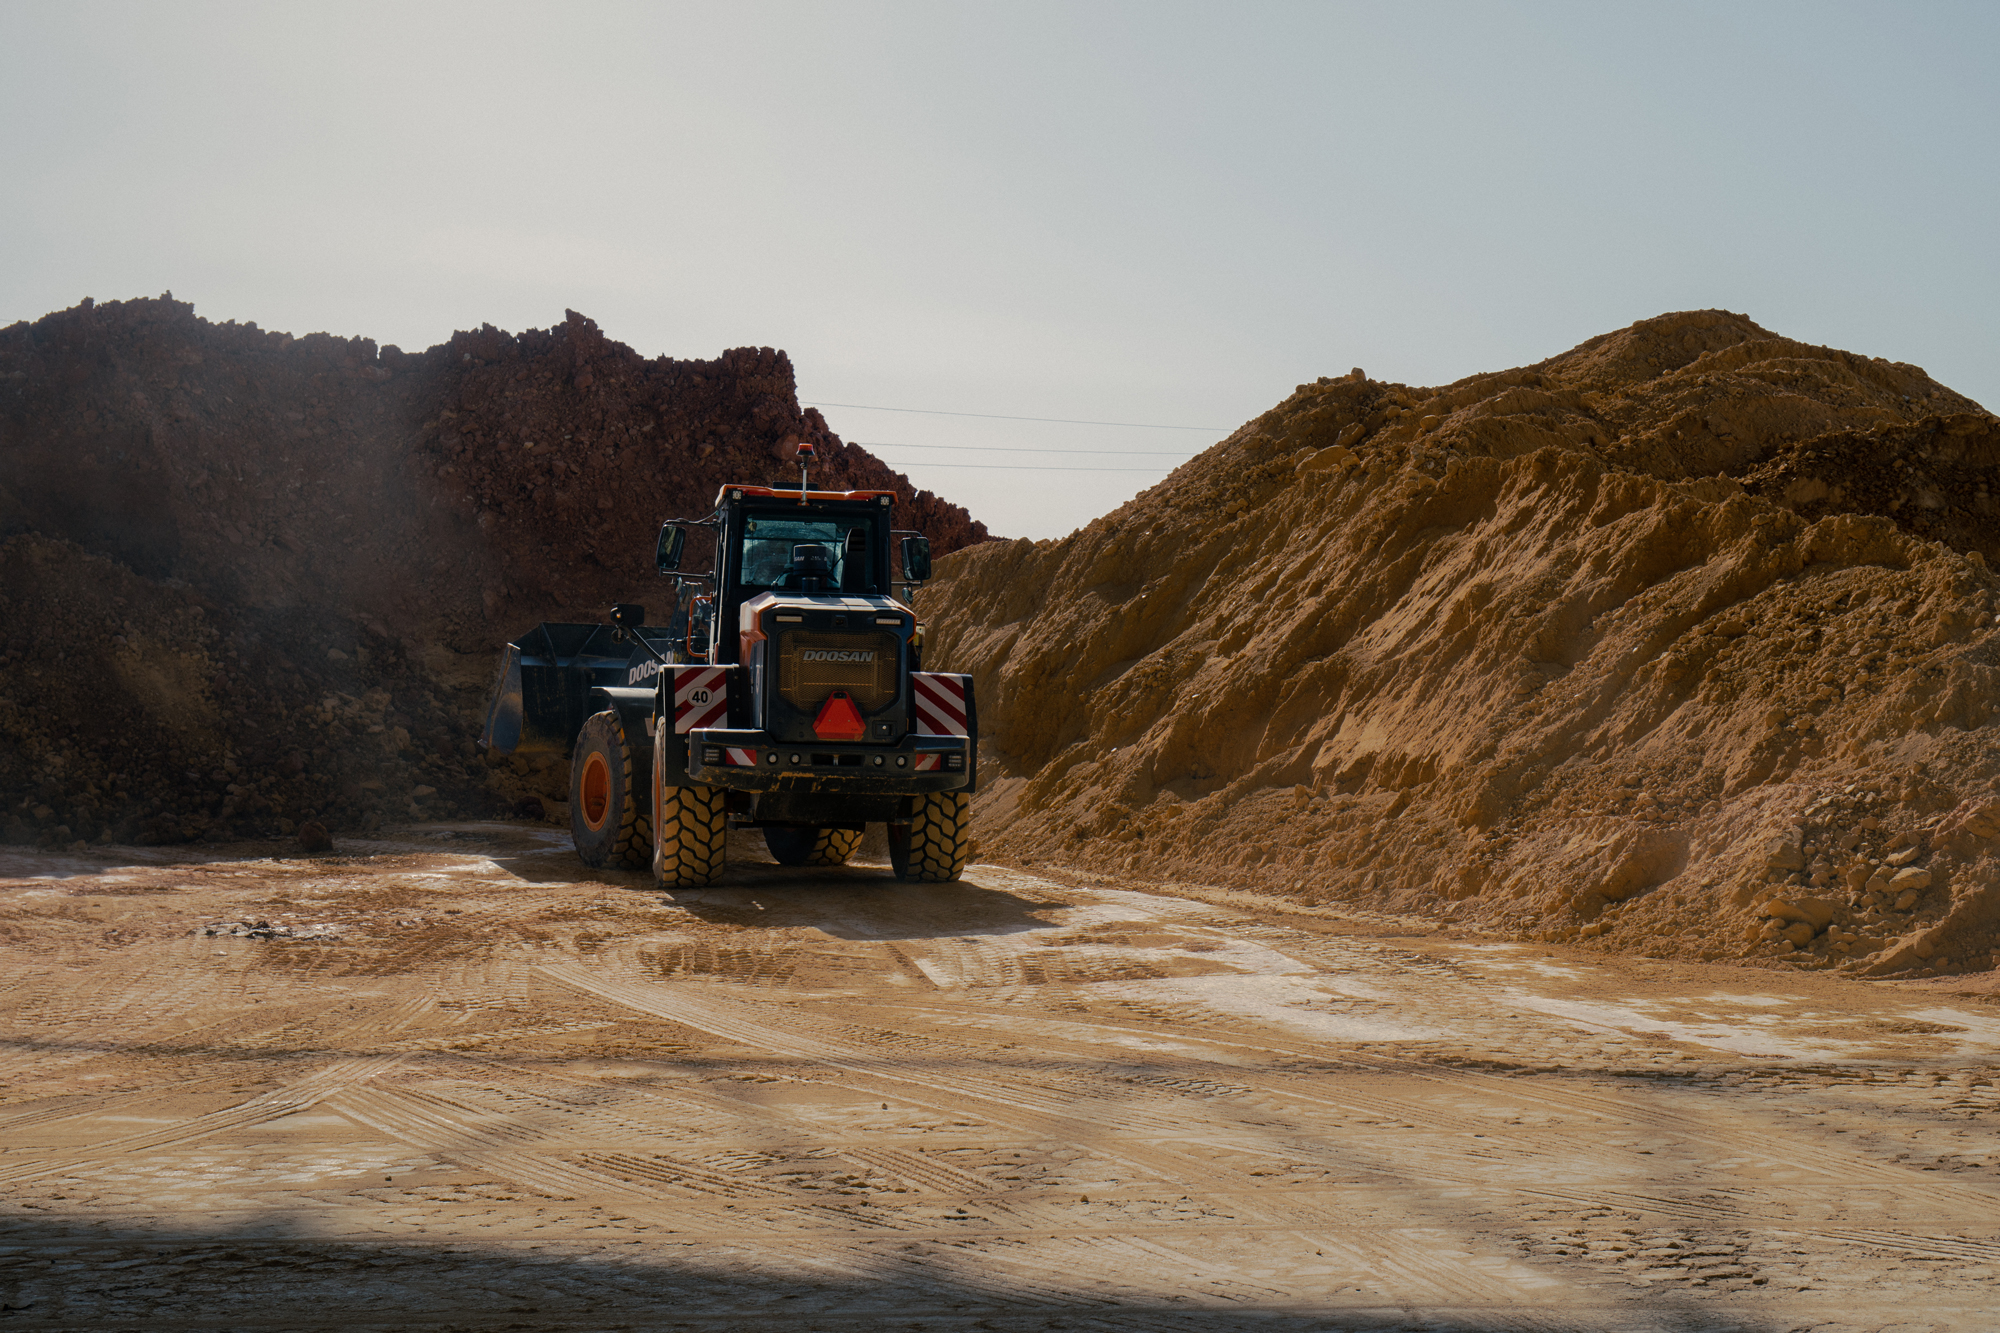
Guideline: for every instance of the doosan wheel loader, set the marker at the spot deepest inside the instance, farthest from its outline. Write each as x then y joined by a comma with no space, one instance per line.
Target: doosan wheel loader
787,694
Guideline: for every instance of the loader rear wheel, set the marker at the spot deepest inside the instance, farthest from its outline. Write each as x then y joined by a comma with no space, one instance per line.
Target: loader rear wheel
692,836
609,797
798,845
934,846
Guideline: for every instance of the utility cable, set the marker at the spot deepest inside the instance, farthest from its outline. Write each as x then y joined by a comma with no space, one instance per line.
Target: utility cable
1032,467
1018,449
996,416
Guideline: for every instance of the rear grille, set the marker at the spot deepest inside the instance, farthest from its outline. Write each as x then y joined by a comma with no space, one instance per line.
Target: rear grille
812,666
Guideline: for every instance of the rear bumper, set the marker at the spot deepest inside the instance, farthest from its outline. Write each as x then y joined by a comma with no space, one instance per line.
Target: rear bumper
750,761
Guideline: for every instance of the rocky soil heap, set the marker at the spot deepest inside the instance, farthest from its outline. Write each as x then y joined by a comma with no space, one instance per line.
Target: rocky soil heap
1681,641
249,580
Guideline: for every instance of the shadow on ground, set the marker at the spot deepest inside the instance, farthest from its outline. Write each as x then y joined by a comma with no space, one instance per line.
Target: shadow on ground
861,903
67,1274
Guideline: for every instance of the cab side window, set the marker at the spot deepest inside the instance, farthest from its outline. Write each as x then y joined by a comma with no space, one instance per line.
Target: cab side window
854,562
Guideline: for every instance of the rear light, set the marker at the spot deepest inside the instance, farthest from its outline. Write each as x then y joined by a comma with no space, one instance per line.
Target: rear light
955,762
711,754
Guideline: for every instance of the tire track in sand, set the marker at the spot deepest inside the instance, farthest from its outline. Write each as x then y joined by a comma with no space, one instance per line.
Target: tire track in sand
307,1092
738,1023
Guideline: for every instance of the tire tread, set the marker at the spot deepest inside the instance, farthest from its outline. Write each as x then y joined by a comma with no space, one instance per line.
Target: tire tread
693,840
833,846
940,839
631,844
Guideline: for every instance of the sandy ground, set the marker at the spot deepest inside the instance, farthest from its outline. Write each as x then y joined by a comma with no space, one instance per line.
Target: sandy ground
478,1087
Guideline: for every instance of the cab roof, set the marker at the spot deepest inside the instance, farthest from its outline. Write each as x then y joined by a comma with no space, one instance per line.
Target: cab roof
731,491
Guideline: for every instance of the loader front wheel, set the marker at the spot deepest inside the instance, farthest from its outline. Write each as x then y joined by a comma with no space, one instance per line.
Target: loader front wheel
693,828
934,846
609,801
797,845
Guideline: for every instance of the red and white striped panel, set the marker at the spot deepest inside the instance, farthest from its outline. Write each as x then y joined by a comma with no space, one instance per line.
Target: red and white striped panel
740,758
940,703
701,697
928,762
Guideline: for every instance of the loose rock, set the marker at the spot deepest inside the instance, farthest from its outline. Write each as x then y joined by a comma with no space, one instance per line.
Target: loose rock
1913,879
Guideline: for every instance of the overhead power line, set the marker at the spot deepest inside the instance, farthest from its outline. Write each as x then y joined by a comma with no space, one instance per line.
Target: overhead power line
1018,449
1041,467
996,416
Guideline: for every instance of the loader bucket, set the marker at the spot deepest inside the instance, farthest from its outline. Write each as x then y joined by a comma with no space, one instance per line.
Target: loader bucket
542,695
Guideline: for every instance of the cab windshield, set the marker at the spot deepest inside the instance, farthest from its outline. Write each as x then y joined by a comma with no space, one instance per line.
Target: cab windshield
767,551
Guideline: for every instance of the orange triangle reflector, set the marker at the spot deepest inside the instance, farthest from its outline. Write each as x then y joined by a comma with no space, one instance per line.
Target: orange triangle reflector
839,719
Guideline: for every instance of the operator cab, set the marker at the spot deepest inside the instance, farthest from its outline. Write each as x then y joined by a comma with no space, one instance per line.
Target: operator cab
836,545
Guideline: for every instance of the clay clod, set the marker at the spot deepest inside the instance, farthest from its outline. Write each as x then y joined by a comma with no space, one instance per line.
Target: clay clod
1814,913
1783,852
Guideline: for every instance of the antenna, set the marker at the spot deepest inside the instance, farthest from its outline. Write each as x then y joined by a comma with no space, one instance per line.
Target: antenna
805,466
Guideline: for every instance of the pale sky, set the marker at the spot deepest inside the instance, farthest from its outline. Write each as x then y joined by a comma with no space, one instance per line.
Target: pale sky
1150,213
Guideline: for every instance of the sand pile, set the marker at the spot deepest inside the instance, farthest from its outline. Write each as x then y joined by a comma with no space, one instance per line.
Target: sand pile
250,580
1682,641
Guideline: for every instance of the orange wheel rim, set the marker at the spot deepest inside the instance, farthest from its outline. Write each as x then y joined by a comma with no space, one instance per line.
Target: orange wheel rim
595,789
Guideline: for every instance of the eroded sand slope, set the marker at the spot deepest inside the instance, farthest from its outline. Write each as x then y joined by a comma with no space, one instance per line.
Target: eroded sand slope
1679,641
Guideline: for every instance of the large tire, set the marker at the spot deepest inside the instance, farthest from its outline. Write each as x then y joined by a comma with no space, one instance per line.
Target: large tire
692,824
933,847
797,845
693,830
609,798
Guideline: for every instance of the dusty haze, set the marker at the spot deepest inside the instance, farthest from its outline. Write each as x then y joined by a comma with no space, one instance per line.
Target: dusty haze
250,580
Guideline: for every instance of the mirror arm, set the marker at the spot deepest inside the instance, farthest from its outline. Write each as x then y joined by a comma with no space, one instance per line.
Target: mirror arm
627,619
651,651
621,635
713,520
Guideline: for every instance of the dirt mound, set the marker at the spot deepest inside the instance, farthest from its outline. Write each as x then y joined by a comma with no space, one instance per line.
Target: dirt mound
1682,641
251,579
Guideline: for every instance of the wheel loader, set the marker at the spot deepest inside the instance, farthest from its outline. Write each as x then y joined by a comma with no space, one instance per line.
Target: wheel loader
786,694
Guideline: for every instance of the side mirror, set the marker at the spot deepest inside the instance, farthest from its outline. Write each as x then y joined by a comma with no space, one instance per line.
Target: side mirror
916,559
667,555
628,616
